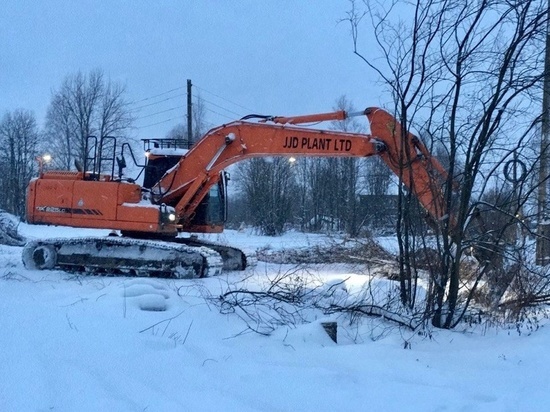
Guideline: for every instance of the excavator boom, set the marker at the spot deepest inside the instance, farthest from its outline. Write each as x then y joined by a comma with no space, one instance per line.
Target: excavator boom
185,185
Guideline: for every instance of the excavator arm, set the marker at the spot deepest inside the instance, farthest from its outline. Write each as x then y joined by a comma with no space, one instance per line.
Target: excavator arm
186,184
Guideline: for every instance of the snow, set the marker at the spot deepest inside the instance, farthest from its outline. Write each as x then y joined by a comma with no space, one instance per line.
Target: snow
77,343
168,151
248,241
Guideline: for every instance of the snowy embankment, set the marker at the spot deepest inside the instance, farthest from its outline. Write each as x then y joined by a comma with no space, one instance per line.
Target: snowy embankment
75,343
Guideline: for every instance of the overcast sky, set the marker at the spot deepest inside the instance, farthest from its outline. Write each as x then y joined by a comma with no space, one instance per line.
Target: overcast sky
270,57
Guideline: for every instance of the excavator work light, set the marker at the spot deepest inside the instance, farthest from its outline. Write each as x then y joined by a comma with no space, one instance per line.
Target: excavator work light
43,160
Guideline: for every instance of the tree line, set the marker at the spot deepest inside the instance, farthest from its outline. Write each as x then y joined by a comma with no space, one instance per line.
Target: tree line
83,105
311,194
308,193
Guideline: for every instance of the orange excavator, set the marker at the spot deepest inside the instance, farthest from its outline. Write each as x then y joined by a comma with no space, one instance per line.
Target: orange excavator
185,191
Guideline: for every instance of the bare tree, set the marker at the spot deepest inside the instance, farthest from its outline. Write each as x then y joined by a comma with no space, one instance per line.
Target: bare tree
61,129
268,188
329,186
19,135
199,118
179,131
113,112
83,106
377,176
347,175
468,73
323,193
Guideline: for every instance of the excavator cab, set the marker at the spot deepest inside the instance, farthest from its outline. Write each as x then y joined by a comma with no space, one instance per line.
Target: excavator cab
162,155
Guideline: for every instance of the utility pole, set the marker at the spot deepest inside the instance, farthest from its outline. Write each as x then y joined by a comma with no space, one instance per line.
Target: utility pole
543,228
189,114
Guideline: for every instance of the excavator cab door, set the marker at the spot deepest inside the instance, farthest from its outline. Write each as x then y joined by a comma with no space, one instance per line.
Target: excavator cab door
212,211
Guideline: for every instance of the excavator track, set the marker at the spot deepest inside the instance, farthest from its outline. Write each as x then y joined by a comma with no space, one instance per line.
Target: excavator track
233,258
122,256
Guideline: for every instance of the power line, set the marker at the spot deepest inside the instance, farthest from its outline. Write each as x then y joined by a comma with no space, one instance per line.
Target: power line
162,111
209,124
160,101
157,95
161,122
220,107
138,108
220,114
183,94
223,98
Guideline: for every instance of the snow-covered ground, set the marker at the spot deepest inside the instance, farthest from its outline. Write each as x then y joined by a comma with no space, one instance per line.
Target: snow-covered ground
75,343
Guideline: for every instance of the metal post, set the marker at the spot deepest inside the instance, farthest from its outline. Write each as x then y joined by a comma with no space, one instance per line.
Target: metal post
543,228
189,115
